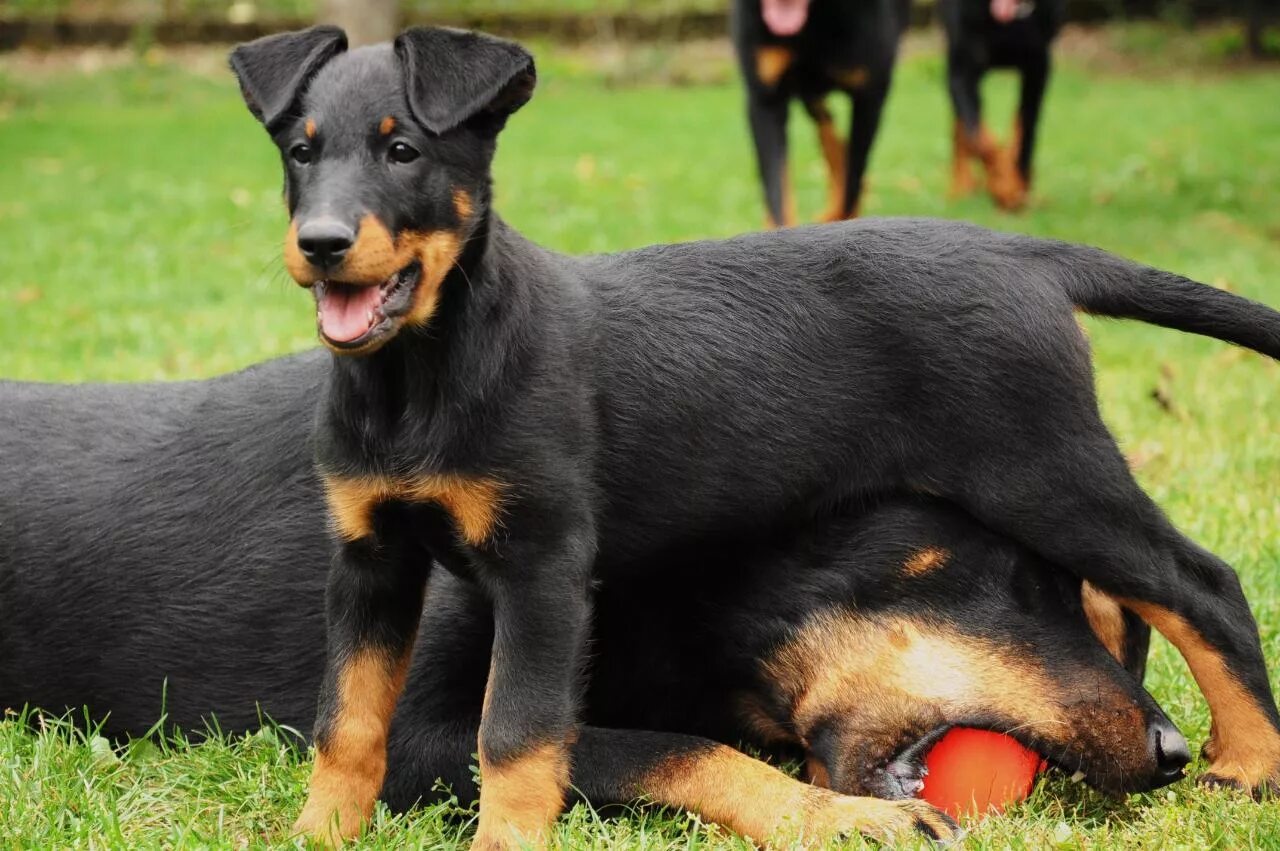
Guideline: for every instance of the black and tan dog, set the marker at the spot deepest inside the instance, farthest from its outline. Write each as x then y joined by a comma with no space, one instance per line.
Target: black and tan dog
538,423
986,34
161,551
802,50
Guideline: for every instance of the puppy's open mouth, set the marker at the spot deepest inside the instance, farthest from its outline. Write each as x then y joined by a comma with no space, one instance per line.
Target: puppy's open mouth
353,315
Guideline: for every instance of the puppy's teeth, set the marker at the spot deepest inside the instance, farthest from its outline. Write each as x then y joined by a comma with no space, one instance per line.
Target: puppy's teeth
368,315
1077,777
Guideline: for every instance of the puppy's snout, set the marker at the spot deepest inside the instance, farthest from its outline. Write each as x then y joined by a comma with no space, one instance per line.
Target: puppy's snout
1168,749
325,242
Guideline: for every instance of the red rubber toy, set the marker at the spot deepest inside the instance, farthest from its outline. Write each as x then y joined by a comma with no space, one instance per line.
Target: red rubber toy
976,772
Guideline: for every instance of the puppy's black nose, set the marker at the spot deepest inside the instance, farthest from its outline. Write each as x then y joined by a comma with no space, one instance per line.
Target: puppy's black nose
324,242
1168,749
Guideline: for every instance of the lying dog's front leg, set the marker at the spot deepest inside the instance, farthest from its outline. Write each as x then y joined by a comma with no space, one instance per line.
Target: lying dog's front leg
541,605
374,601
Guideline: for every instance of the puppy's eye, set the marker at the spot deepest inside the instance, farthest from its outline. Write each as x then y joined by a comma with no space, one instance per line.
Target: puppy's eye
401,153
300,153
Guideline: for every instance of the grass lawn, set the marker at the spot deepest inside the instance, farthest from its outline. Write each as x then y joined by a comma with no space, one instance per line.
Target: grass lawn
140,226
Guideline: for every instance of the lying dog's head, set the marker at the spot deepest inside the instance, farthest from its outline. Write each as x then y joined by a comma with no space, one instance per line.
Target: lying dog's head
386,155
945,625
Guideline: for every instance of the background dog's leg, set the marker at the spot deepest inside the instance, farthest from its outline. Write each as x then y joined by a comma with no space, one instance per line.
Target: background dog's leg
374,600
1094,519
833,152
1035,77
868,104
962,182
964,77
769,130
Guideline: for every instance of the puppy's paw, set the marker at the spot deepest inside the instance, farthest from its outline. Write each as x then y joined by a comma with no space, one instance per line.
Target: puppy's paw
1258,782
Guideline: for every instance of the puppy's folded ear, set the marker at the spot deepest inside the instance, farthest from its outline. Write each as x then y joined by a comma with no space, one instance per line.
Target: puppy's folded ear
273,70
453,75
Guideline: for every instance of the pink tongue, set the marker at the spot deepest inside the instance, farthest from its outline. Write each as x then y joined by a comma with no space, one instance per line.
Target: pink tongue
1004,11
344,311
785,17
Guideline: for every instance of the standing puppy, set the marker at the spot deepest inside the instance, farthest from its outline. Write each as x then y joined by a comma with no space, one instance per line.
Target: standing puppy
795,49
538,424
985,34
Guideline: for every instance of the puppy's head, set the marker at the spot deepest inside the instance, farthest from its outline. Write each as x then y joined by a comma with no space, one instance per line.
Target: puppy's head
949,626
386,153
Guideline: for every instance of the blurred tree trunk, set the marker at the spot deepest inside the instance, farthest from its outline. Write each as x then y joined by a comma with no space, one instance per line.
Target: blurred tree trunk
366,21
1253,28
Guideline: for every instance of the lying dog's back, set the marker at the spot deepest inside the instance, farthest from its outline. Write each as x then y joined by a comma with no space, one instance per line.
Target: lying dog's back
118,502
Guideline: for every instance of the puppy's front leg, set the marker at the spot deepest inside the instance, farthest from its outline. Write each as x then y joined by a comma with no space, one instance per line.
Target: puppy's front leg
540,593
373,601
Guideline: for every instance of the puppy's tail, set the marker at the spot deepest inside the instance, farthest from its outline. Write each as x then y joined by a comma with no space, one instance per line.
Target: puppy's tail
1106,285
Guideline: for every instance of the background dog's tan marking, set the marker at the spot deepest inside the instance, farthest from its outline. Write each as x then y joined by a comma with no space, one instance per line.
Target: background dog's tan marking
521,798
925,560
475,504
761,803
1245,746
310,128
387,125
1106,618
852,78
351,761
772,61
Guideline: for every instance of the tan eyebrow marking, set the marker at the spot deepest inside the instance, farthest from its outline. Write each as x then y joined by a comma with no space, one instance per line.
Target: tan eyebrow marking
388,124
310,128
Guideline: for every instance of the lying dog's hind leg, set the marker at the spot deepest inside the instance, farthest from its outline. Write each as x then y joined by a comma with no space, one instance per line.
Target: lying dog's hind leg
1078,506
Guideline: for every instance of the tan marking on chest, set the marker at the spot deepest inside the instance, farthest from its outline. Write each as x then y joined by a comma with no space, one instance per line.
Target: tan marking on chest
772,61
475,504
851,78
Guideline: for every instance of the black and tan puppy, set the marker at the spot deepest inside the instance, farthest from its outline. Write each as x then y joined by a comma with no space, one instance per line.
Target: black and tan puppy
161,552
986,34
538,423
801,50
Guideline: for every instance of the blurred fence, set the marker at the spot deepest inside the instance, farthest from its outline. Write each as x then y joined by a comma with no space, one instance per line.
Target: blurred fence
82,22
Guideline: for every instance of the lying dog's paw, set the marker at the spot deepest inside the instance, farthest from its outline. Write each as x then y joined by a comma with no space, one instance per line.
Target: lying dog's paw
886,821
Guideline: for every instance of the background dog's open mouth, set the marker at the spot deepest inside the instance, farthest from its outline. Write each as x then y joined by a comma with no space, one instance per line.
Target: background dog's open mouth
350,313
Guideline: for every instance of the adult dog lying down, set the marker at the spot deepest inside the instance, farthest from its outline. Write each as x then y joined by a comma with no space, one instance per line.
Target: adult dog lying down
175,532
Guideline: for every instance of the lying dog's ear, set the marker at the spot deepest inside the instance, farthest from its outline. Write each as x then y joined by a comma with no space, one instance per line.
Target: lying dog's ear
274,69
454,75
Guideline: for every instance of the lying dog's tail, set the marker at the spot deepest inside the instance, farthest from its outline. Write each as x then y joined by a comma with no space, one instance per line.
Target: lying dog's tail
1106,285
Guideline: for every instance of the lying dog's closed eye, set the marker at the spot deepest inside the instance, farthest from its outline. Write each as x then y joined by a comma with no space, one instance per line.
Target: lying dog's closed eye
632,402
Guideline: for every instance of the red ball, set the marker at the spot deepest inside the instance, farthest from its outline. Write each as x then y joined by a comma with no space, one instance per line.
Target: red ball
974,772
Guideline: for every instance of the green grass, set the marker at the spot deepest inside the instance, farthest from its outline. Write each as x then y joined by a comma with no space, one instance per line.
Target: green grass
140,226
